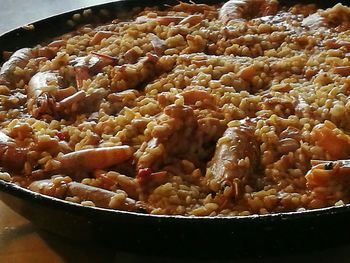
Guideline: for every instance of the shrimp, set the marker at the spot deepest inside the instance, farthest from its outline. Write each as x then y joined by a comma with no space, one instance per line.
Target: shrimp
99,36
236,158
192,20
323,172
158,44
328,181
193,96
343,71
46,96
40,102
19,59
314,21
11,156
337,43
241,9
166,139
193,8
333,141
100,197
90,65
143,70
167,20
178,123
93,159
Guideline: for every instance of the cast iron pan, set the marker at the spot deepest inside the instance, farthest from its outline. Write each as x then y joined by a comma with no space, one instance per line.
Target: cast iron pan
170,235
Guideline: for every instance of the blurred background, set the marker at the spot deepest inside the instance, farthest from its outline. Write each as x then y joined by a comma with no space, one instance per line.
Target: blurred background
14,13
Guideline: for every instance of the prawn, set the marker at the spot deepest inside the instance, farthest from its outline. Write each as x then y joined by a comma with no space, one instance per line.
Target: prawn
334,141
236,158
328,181
158,44
18,59
100,197
11,156
167,20
87,66
322,173
99,36
241,9
192,8
93,159
143,70
314,21
178,123
41,101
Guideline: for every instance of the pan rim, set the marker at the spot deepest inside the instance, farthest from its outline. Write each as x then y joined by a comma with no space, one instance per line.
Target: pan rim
21,192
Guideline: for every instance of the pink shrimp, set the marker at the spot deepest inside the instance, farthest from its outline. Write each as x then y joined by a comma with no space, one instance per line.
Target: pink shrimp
332,140
59,100
314,21
324,172
64,188
93,159
328,181
238,9
12,156
192,8
236,158
87,66
19,59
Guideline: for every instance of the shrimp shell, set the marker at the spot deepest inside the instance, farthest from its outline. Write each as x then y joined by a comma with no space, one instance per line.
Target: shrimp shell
237,143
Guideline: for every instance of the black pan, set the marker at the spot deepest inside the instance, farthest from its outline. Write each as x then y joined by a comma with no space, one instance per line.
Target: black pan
205,236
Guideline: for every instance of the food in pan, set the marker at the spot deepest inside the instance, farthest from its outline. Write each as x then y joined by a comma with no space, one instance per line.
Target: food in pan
232,109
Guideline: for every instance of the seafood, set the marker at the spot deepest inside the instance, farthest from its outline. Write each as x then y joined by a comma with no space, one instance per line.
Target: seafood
192,20
324,173
166,20
314,21
332,140
100,197
48,97
227,109
162,141
87,66
99,36
157,43
236,158
92,159
19,59
192,96
237,9
342,70
123,79
12,156
40,102
193,8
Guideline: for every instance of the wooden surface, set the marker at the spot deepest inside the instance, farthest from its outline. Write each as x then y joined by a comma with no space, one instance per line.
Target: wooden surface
21,242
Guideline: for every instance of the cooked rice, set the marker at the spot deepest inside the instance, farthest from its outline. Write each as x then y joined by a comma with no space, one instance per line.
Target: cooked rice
223,118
